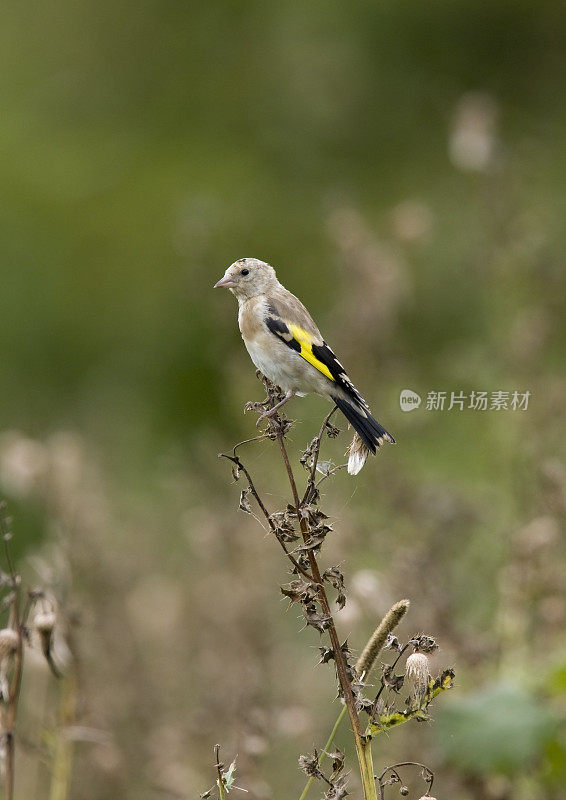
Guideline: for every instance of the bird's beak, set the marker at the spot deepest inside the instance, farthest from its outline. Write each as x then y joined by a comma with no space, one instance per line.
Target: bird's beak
226,282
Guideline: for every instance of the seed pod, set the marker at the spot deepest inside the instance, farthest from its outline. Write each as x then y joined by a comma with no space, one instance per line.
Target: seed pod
374,646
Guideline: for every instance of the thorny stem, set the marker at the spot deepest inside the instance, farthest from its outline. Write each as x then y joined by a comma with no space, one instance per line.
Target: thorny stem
362,741
363,746
341,667
301,508
312,482
236,460
324,753
382,687
219,766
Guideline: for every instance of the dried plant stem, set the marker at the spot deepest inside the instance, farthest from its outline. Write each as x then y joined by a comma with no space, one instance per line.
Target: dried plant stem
327,746
341,667
10,712
365,664
219,765
384,722
236,460
9,724
363,746
314,599
311,484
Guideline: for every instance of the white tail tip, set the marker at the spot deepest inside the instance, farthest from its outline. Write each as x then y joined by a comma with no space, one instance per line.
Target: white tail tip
357,454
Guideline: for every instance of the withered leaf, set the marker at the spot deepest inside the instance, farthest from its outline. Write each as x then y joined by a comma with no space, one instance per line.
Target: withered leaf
337,757
338,790
364,704
283,524
444,680
392,643
313,542
314,494
326,655
314,618
391,680
244,504
303,560
336,578
307,455
300,591
345,648
309,765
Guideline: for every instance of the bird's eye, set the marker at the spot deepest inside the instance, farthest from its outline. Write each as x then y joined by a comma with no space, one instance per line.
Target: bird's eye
245,272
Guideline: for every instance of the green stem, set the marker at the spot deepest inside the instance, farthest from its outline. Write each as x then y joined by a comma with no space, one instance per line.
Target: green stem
327,746
363,749
63,751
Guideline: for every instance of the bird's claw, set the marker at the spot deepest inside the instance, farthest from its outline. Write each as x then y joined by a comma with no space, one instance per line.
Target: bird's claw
266,415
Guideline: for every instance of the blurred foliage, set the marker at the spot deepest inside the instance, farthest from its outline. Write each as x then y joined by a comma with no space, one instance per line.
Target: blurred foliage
403,166
502,729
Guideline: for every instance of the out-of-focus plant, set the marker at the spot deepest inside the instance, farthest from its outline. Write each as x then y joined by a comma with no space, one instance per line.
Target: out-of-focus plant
34,618
225,781
301,529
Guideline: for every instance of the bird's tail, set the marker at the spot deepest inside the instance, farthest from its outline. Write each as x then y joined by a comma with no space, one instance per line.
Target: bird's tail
369,434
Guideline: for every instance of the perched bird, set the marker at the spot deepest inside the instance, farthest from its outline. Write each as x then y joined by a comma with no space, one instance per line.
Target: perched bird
286,346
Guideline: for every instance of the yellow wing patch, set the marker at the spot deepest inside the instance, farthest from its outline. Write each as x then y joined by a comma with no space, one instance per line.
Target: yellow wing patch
305,340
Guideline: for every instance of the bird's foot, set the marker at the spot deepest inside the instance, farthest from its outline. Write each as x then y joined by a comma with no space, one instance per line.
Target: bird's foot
258,407
266,415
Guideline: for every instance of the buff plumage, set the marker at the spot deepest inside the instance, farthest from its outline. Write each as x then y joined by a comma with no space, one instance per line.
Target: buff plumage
286,345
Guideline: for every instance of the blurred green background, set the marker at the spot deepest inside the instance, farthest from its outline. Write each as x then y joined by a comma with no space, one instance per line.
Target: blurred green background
403,166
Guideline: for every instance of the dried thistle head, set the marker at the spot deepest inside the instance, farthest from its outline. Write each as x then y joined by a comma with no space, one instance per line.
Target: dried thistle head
417,673
423,644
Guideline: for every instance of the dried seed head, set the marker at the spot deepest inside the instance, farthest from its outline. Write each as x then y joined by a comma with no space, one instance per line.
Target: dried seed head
44,622
427,797
423,644
416,671
9,641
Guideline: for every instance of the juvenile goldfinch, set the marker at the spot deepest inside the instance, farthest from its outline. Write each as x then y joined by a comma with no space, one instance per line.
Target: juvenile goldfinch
286,346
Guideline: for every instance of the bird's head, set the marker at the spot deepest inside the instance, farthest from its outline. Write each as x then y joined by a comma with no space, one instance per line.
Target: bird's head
248,277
